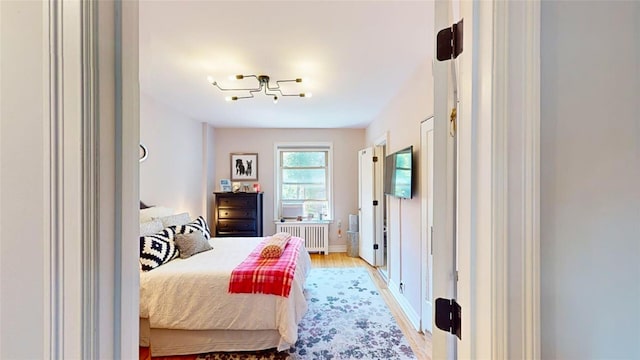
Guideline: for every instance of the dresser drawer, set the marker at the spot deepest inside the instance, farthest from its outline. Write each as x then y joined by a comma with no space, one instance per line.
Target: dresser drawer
224,213
236,226
237,201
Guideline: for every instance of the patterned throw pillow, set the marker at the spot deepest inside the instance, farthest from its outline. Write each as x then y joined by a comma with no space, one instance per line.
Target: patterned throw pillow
198,224
157,249
191,244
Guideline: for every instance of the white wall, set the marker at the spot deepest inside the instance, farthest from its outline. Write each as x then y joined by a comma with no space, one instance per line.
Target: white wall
174,175
590,180
401,119
346,143
22,176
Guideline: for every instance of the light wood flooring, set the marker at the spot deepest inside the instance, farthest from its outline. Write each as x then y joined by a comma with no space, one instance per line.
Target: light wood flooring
420,343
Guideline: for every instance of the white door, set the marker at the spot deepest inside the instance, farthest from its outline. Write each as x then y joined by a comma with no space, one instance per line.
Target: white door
366,219
379,153
426,254
444,277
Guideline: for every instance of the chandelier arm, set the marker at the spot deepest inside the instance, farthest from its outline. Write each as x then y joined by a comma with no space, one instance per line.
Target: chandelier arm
215,83
238,89
277,87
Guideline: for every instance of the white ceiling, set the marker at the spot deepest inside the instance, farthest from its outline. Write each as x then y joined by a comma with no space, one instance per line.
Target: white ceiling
357,55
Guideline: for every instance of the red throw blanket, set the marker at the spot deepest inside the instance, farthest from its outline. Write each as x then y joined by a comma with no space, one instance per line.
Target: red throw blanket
257,275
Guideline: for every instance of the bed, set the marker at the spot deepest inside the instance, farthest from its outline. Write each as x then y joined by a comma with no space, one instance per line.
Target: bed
185,306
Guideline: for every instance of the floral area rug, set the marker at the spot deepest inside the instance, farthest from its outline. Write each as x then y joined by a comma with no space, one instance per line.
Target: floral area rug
347,319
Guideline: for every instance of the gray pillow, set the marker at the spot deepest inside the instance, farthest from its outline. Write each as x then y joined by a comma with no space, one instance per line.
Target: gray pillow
191,244
174,220
150,227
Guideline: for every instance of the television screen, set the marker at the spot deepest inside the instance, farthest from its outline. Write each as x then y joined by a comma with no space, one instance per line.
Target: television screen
398,173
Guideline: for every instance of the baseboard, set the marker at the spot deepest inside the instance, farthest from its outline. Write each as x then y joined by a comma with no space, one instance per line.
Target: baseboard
406,308
337,248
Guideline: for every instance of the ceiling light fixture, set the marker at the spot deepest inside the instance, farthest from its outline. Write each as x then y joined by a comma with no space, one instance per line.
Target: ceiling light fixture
263,86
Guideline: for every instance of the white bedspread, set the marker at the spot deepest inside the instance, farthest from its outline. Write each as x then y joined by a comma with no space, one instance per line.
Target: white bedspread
191,294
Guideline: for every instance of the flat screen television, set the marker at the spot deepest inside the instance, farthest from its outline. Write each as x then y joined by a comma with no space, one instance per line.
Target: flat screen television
398,173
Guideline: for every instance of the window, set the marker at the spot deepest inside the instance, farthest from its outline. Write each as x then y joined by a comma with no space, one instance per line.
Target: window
303,181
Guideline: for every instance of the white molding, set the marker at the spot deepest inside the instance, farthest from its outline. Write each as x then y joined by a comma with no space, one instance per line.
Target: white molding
499,189
406,308
70,158
90,186
500,182
531,178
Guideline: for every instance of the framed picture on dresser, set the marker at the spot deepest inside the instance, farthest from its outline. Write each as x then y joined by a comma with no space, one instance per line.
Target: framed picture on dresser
244,166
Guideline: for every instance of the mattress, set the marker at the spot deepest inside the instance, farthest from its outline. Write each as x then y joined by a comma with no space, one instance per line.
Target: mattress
191,294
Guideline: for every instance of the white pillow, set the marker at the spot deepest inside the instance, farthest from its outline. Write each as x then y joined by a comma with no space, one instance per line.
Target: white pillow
150,227
148,214
174,220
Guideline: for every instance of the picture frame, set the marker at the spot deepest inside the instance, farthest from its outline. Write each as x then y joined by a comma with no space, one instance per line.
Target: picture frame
225,185
243,166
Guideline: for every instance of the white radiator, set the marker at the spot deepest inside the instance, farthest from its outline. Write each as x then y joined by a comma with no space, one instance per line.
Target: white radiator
316,236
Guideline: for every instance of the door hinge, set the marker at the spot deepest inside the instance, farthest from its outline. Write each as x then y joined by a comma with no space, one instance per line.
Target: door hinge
375,202
449,316
449,42
375,159
375,246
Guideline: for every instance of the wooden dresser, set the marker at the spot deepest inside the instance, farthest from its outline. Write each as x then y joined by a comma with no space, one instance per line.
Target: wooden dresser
238,214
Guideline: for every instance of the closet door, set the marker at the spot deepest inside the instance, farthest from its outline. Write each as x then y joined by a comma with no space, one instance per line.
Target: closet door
365,205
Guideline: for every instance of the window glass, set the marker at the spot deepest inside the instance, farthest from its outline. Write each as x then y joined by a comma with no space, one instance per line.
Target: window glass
303,182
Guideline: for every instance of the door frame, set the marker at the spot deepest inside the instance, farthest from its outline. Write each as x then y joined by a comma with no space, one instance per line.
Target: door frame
482,143
498,189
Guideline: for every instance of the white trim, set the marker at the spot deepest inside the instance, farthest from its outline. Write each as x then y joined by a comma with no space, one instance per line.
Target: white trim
127,181
531,181
66,173
406,308
499,180
90,186
500,183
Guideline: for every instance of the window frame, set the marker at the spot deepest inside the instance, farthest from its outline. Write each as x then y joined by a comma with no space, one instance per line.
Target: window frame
302,146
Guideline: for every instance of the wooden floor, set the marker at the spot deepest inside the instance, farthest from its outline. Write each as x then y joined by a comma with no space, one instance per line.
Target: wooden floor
420,343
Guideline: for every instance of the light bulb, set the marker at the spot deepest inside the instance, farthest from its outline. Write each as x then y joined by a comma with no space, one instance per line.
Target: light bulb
228,98
210,79
308,95
275,99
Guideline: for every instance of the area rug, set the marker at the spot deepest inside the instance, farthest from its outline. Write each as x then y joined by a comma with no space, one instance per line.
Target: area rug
347,319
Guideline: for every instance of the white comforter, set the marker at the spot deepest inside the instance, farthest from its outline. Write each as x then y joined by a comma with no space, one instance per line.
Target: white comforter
191,294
